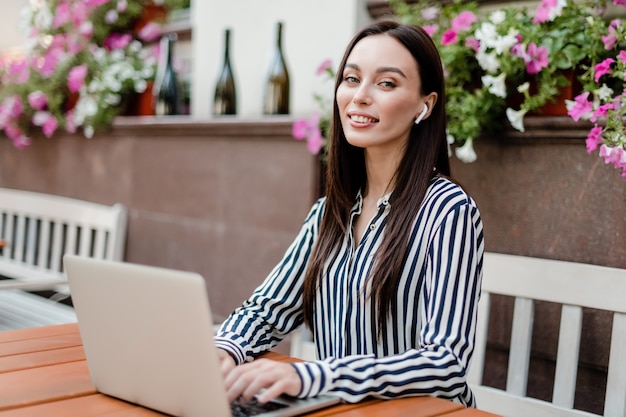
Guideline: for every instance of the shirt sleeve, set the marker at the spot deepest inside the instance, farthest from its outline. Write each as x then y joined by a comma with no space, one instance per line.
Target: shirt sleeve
275,307
438,366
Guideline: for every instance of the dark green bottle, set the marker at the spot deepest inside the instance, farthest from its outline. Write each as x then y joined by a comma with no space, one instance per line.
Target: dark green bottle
225,98
277,82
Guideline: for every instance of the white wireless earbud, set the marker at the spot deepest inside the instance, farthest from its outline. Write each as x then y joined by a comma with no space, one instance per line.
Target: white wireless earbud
422,114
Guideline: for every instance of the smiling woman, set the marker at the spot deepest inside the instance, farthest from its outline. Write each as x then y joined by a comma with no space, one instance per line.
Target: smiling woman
386,268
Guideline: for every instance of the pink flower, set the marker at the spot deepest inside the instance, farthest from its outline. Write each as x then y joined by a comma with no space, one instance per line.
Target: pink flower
62,15
76,78
70,122
594,139
95,3
610,40
150,32
603,68
117,41
301,127
325,65
449,37
611,155
431,29
622,56
619,2
472,43
80,14
18,72
536,58
20,140
463,21
315,141
548,10
309,129
601,112
581,106
50,61
47,122
37,100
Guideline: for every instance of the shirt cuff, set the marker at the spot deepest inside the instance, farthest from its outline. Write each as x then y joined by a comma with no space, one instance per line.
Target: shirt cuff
234,345
316,377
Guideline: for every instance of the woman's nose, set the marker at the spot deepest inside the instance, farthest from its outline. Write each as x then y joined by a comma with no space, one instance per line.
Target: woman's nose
361,95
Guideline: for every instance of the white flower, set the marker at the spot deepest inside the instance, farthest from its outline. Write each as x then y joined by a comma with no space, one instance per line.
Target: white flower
89,131
495,85
557,10
43,19
503,44
466,152
111,16
516,118
486,33
140,85
523,87
497,17
430,13
488,61
605,92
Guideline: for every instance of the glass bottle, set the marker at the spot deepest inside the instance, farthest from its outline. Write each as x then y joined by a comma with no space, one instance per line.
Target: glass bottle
277,82
167,91
225,98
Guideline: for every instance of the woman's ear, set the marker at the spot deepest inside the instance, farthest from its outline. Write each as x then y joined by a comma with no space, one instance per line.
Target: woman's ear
430,100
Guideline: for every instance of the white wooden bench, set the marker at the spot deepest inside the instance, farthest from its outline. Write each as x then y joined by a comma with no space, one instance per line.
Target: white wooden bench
574,286
38,229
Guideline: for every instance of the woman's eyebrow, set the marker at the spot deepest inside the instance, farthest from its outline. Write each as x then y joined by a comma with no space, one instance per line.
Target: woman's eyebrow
379,70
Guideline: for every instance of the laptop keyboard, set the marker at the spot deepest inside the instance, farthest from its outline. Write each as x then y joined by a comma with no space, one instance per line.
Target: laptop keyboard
254,408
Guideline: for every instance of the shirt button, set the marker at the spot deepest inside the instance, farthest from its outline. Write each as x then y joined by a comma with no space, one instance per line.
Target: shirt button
372,226
386,201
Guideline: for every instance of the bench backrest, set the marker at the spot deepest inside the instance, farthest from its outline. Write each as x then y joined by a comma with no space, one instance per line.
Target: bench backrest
574,285
40,228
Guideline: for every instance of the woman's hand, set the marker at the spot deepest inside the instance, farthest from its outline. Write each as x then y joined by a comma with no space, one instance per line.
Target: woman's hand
227,363
275,378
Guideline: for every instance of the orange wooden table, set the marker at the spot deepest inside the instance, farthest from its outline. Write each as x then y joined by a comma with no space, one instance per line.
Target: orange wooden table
43,372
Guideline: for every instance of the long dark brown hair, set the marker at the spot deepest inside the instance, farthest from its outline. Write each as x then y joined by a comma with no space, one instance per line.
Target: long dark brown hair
345,176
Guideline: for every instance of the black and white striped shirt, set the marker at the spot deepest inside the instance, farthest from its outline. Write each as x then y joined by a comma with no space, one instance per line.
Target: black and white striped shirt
430,333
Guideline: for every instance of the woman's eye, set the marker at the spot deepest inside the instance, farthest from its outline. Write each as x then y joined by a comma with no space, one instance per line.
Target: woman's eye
387,84
350,79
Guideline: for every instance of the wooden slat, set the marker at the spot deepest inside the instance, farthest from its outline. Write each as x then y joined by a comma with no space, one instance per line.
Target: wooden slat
43,358
8,233
85,241
409,407
509,405
528,279
36,333
49,383
44,244
57,249
567,356
40,344
96,405
519,355
31,240
99,244
475,372
18,252
615,402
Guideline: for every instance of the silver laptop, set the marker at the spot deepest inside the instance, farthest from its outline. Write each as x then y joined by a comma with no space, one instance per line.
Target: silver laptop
148,339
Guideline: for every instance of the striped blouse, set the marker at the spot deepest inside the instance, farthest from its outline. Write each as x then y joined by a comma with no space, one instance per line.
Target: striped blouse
429,339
